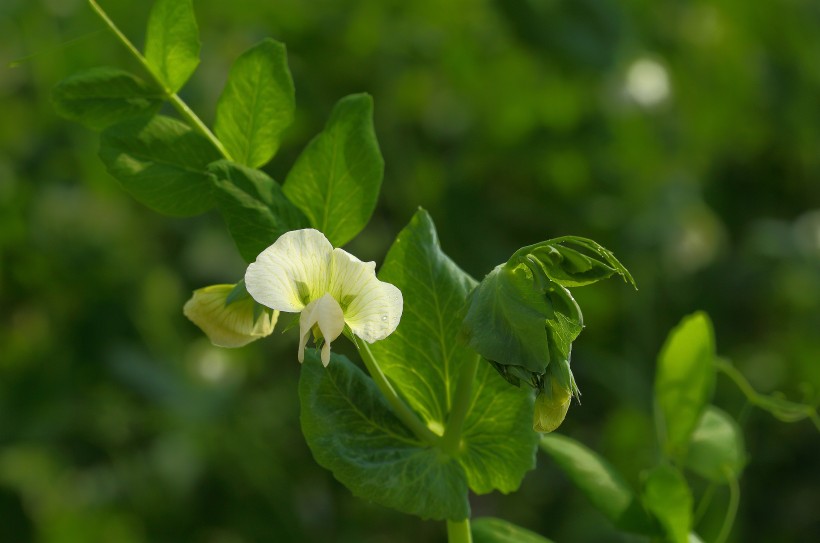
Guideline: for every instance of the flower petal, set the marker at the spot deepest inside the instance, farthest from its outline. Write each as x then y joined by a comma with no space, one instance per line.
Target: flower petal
326,314
292,272
372,308
228,325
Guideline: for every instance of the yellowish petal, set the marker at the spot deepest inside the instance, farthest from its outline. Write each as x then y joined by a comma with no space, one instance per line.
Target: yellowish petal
327,316
372,308
231,325
292,272
551,409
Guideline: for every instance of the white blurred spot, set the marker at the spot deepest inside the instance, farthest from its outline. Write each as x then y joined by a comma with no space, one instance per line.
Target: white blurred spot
647,82
212,366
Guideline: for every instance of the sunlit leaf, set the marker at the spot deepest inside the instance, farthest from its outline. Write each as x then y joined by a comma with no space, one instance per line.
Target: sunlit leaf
424,356
667,496
352,432
103,96
162,163
172,42
496,530
716,449
253,206
336,179
684,381
257,104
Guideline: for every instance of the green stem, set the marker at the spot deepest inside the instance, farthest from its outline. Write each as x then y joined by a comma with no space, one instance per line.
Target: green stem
407,416
731,510
461,406
181,107
459,531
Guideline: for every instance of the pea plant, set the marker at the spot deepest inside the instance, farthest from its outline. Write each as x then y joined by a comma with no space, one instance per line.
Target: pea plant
461,381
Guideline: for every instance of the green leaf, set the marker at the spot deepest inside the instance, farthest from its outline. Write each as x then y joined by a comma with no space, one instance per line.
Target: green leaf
684,381
667,496
716,449
336,179
573,261
257,104
102,96
496,530
424,356
162,163
172,42
600,482
253,206
352,432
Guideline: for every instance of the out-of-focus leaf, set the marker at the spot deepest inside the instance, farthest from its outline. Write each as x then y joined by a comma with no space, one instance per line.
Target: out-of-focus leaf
253,206
684,381
162,163
102,96
352,432
600,482
257,104
496,530
172,42
424,357
667,496
336,179
716,449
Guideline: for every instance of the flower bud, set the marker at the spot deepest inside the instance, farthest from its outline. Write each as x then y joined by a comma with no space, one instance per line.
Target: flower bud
229,316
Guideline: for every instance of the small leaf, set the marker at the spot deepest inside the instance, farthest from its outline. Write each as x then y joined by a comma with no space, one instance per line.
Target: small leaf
253,206
172,42
684,381
257,104
103,96
496,530
336,179
424,357
162,163
600,482
716,449
352,432
668,497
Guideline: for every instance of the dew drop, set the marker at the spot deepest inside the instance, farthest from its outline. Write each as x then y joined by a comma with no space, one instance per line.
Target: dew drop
384,318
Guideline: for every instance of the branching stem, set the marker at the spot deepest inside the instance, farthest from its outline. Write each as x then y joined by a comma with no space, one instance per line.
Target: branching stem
181,107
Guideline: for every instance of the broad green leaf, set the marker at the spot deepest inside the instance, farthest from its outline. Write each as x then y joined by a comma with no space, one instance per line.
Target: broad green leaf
496,530
716,449
257,104
336,179
352,432
162,163
600,482
573,261
667,496
102,96
253,206
172,42
684,381
424,356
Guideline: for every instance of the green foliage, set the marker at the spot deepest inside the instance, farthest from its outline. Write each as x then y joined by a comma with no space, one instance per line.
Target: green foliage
253,206
172,42
684,381
162,162
496,530
716,449
667,496
352,432
337,178
600,482
257,104
99,97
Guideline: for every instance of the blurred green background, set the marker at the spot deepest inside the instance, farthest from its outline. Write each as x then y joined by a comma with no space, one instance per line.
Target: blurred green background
683,135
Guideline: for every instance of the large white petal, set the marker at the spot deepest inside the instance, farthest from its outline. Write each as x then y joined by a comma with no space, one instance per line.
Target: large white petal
292,272
372,308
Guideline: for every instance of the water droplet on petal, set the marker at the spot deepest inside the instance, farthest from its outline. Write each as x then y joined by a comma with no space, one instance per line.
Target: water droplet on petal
384,318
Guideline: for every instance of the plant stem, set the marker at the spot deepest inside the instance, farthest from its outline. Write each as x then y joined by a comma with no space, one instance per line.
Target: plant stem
459,531
460,407
407,416
181,107
731,510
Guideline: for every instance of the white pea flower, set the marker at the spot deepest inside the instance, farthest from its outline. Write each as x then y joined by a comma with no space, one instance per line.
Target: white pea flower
227,319
302,273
